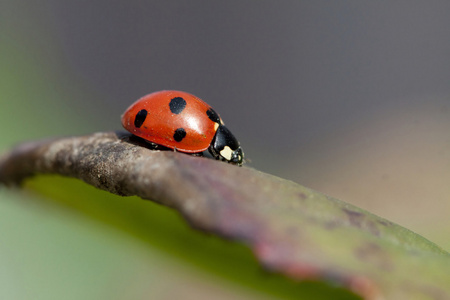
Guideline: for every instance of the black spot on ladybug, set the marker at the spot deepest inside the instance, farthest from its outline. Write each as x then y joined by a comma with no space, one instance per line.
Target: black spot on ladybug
179,134
213,116
140,118
177,105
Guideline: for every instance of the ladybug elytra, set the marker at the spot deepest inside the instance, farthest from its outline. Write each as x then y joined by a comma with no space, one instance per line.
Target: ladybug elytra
181,121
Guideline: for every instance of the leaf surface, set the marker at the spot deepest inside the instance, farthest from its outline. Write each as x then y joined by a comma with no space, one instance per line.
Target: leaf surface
292,230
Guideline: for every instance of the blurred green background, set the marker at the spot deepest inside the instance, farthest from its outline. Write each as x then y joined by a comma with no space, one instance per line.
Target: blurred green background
351,99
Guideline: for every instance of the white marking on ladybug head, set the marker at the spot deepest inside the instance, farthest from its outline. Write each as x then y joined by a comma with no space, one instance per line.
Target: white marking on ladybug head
226,152
216,125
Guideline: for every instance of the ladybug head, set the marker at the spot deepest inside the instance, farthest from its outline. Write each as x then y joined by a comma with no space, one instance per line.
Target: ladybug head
225,146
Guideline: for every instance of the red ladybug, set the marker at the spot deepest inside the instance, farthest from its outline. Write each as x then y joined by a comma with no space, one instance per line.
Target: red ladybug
181,121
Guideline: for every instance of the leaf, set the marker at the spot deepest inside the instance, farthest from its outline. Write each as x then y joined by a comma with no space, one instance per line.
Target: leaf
292,230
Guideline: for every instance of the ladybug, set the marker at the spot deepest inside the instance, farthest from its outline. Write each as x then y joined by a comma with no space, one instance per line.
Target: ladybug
183,122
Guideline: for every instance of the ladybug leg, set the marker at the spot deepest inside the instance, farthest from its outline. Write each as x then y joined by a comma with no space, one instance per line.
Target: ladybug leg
154,146
197,154
213,152
145,143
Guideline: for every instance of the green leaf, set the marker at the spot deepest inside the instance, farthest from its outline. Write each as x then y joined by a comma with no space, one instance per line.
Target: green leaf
292,230
164,229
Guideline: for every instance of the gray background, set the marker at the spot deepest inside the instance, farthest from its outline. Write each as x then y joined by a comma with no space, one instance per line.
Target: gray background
347,97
